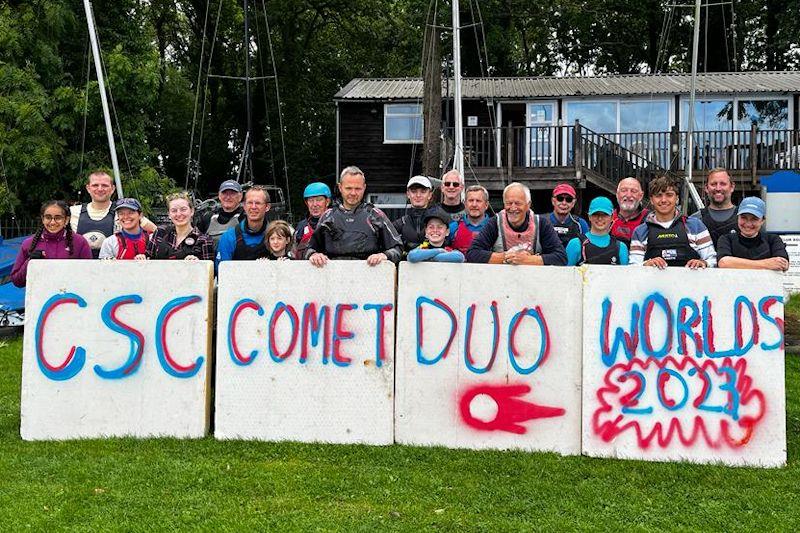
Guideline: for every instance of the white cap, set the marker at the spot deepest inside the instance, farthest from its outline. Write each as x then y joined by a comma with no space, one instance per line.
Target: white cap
419,180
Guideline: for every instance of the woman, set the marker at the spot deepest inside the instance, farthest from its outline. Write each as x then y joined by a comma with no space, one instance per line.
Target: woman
132,239
181,240
278,237
597,246
53,240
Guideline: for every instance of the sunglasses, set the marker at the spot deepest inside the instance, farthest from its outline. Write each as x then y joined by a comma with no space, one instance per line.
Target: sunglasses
452,183
564,198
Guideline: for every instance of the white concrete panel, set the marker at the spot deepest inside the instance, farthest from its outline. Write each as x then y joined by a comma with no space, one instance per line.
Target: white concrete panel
530,401
286,395
140,344
666,376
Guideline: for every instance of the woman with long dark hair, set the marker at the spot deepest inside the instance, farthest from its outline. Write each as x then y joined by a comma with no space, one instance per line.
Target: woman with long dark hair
53,240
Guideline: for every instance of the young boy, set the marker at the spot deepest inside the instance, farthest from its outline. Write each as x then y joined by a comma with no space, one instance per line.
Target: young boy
437,228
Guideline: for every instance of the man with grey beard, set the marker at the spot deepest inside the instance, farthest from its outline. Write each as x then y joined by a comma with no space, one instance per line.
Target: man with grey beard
630,212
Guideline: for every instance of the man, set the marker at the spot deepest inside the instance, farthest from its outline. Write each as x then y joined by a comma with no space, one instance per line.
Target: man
410,226
229,213
750,247
566,225
97,220
354,229
597,247
245,241
720,215
317,197
668,239
630,212
452,187
473,221
516,236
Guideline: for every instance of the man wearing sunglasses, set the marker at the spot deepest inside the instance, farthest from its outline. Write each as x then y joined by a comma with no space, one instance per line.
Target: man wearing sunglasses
567,225
452,187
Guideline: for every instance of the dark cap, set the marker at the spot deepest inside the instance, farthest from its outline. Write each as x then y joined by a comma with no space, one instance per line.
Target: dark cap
230,185
436,212
128,203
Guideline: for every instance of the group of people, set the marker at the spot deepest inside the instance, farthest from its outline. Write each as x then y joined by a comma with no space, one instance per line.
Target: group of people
457,229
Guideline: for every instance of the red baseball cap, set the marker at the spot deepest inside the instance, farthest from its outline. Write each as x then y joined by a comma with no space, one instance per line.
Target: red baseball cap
564,188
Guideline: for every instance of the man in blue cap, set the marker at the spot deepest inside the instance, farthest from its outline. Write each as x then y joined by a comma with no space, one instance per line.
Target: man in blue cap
596,246
227,215
750,246
317,197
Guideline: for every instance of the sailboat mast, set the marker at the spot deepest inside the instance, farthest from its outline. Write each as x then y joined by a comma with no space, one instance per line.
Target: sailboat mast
692,98
249,136
458,154
98,66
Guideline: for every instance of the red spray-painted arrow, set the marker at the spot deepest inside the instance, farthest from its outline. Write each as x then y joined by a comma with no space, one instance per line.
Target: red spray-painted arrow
510,409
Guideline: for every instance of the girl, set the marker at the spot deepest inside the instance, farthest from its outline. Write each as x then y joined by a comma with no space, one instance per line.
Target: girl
181,240
278,236
53,240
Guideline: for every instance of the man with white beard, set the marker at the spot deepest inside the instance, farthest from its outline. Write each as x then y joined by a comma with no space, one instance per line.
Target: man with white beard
630,212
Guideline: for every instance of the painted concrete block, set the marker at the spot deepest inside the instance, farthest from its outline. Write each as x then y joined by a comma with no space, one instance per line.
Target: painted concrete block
489,356
305,354
116,348
684,365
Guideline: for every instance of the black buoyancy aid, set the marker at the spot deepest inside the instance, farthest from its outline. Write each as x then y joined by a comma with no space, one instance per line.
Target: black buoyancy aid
567,230
412,231
243,252
671,244
164,249
755,248
591,254
95,231
717,229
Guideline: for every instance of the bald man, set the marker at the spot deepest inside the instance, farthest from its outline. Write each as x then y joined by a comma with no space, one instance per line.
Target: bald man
630,212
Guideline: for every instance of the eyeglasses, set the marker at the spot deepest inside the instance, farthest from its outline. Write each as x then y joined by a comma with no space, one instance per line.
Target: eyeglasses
452,183
564,198
54,218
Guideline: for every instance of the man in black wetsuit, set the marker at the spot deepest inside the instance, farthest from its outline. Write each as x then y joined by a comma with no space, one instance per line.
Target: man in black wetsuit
353,228
410,226
452,189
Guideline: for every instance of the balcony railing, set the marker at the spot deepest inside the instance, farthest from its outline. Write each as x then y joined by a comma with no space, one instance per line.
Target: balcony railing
752,151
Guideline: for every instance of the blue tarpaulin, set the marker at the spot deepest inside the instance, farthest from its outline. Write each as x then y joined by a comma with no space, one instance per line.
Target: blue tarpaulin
11,297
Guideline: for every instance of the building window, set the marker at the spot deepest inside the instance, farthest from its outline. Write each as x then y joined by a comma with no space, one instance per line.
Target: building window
402,123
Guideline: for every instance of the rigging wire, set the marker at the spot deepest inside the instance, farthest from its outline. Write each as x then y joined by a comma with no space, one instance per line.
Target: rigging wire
85,103
280,112
189,163
428,45
116,120
205,94
266,104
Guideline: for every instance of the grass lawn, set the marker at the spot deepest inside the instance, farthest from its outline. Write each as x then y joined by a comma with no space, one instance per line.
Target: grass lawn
125,484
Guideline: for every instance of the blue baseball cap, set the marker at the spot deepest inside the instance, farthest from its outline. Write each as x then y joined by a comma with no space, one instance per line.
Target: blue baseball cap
230,185
128,203
601,204
753,205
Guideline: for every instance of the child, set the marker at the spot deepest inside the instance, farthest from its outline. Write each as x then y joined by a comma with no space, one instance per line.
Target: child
278,236
437,229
